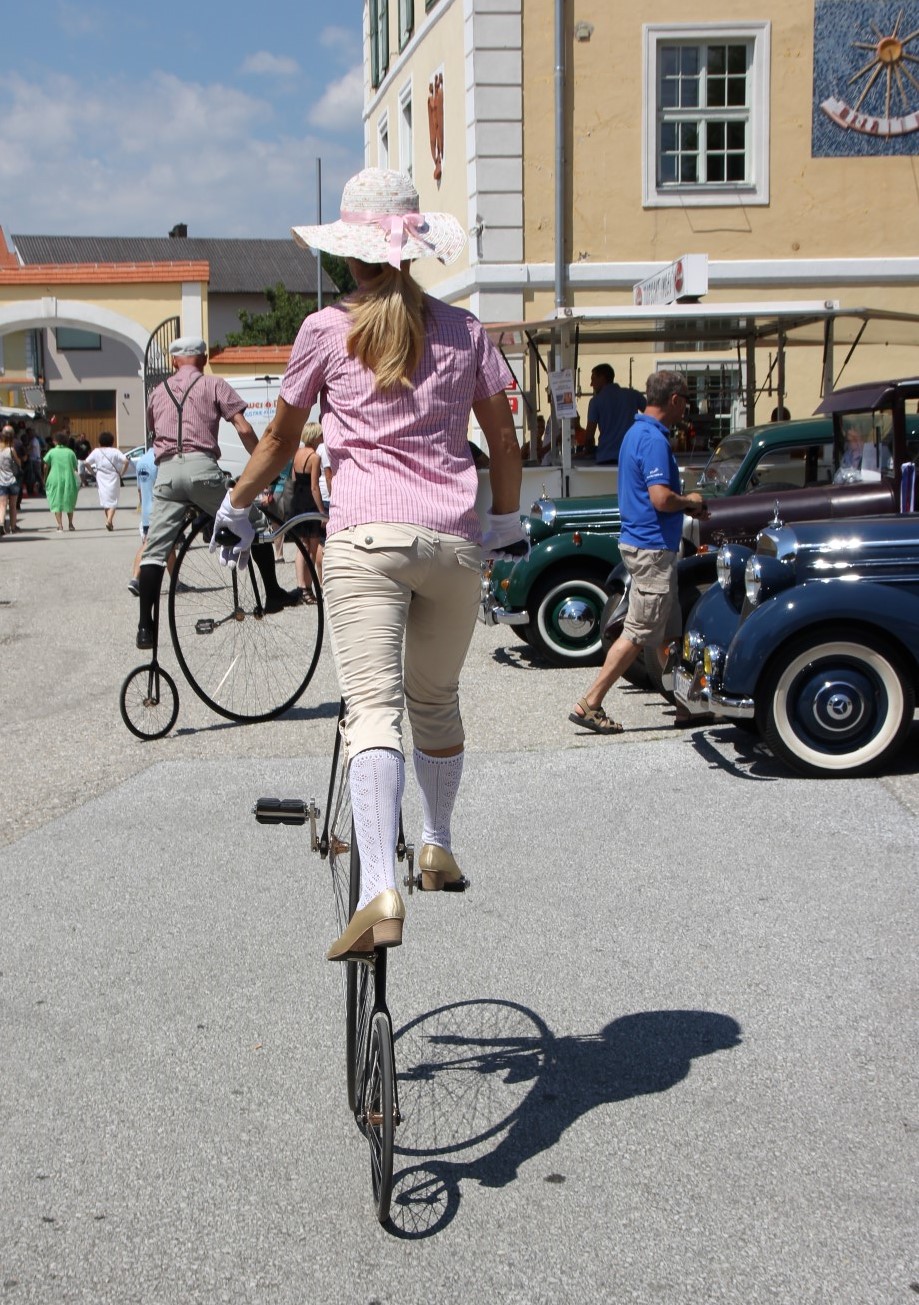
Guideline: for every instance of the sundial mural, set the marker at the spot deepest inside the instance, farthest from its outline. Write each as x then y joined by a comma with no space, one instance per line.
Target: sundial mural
866,78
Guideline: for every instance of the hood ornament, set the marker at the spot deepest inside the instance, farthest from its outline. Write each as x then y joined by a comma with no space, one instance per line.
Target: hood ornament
776,516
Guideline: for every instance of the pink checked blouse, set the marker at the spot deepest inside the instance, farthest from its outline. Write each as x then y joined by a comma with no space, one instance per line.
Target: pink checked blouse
402,454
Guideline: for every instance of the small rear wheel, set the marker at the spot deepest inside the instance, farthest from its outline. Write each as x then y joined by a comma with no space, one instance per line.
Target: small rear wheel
149,702
378,1110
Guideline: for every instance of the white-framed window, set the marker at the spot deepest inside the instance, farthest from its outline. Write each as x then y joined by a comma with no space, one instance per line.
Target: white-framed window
379,40
406,133
716,391
406,21
706,114
383,141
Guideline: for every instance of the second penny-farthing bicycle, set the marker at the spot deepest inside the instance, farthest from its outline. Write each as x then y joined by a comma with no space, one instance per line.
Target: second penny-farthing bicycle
247,662
370,1070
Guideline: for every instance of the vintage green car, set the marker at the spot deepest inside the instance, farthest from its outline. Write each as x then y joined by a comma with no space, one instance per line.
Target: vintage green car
555,600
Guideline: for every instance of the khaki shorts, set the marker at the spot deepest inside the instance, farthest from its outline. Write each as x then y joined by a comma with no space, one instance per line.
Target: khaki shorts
653,597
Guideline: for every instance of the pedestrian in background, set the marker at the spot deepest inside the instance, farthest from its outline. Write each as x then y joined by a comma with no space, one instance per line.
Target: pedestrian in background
10,478
108,465
62,484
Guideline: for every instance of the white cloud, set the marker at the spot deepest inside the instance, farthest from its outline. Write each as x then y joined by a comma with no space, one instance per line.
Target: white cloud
271,65
344,40
341,101
134,158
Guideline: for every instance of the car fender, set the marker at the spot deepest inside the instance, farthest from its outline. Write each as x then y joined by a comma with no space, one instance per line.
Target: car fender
891,612
714,618
593,549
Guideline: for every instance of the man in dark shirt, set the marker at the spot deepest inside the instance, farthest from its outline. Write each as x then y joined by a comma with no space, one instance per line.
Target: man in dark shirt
613,409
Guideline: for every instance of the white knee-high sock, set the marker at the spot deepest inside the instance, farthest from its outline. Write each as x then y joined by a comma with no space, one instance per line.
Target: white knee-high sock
376,778
439,781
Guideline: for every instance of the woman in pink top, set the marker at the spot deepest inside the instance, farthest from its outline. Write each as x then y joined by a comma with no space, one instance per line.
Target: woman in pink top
397,374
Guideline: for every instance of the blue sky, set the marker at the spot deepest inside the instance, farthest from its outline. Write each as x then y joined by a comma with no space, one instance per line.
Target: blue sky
124,119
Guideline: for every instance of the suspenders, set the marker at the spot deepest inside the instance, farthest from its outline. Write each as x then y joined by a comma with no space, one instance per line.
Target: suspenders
180,405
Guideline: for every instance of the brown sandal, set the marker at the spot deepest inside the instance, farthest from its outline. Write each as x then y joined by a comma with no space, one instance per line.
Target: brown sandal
594,718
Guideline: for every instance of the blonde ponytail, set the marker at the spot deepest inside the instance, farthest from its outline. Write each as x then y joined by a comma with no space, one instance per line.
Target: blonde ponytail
387,327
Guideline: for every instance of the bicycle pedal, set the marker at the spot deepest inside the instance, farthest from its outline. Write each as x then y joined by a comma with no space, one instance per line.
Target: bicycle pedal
281,811
411,881
456,886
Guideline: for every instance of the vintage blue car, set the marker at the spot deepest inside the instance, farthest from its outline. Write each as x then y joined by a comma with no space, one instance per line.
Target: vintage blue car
563,597
813,639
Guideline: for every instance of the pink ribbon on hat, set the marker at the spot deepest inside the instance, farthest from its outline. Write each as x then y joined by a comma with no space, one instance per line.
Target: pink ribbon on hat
398,226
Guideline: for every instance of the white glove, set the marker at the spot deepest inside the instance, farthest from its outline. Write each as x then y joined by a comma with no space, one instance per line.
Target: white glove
505,537
236,521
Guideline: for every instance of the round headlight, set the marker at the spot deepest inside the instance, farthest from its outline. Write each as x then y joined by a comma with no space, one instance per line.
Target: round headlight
723,566
753,579
546,510
692,647
712,659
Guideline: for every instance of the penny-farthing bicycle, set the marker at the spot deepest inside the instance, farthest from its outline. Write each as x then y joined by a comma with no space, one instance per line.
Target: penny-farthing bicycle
370,1070
247,661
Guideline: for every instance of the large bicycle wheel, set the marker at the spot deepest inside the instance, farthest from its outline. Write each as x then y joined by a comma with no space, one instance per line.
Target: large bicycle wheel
245,664
360,979
149,702
378,1111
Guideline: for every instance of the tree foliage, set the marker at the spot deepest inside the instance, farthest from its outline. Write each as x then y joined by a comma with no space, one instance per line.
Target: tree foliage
279,325
337,268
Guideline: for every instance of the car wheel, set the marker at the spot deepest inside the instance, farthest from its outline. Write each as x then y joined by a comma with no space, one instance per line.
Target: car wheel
565,609
835,704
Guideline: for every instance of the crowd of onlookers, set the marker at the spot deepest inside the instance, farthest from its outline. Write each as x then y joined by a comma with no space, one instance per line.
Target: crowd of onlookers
24,466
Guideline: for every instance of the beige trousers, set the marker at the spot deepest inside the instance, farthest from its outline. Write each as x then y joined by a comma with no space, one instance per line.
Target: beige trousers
385,585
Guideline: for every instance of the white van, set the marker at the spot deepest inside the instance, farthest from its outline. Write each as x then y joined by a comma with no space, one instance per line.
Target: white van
261,396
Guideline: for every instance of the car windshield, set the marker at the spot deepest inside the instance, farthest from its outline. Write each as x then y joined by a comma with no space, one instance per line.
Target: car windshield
721,468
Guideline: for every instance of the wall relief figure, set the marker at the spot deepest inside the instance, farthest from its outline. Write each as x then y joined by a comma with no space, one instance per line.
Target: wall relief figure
436,123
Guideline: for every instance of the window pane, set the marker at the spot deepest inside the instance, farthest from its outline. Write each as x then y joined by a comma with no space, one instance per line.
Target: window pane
689,136
737,170
715,91
668,168
669,94
689,168
737,135
690,96
716,60
715,165
668,136
689,60
737,59
716,135
737,90
670,61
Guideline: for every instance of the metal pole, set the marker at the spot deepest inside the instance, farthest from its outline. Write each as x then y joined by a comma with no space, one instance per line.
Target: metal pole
318,222
560,225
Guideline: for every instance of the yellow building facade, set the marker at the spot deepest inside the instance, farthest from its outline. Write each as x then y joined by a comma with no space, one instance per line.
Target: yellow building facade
779,140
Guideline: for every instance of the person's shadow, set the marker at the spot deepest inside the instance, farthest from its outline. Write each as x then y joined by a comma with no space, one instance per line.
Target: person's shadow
472,1071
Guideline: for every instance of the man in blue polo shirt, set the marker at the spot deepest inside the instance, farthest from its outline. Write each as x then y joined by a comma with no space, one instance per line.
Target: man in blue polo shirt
652,509
612,408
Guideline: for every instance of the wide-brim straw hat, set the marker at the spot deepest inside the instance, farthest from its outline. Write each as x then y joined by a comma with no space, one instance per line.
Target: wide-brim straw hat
381,222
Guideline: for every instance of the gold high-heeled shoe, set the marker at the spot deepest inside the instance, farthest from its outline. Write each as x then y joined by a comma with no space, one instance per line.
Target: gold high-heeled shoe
439,869
378,924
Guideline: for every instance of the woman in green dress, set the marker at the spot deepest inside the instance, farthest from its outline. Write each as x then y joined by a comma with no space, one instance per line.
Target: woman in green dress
61,483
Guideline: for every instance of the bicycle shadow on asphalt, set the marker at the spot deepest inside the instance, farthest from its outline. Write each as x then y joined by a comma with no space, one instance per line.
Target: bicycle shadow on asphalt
474,1071
322,711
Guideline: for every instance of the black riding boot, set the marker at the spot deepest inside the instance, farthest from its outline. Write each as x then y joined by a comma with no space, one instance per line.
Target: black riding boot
150,581
275,596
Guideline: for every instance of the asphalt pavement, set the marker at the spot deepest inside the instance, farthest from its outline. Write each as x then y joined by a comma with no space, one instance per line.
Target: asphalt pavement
665,1049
